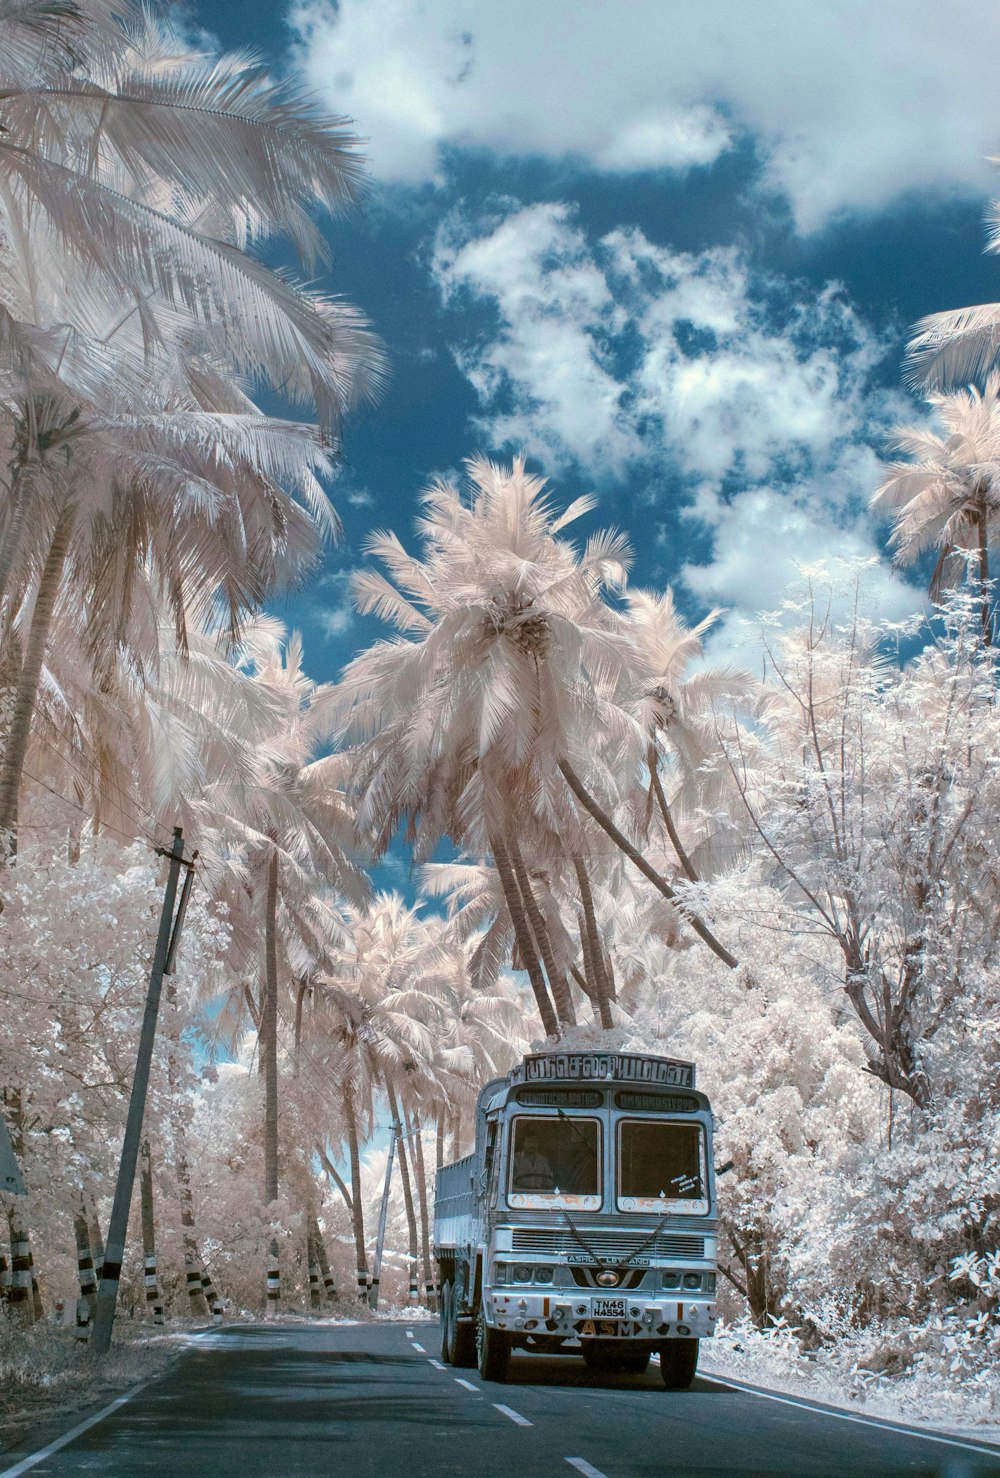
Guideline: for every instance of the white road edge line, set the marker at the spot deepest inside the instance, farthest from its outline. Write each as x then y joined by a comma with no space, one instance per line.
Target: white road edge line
67,1437
515,1416
419,1347
436,1363
459,1381
587,1469
984,1449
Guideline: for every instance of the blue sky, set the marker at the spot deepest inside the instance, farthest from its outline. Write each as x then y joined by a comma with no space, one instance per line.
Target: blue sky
671,251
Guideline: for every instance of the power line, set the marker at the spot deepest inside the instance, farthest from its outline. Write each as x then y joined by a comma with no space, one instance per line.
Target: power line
88,815
128,801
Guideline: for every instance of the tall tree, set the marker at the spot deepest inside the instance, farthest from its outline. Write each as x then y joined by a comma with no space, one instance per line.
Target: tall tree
946,495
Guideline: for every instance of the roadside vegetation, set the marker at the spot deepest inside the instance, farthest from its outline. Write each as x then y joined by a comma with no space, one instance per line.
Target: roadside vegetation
783,863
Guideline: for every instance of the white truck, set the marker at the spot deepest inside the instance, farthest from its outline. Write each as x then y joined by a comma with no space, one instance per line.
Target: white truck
585,1219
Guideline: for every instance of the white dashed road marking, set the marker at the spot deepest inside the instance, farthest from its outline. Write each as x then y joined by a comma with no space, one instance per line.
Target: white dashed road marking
515,1416
419,1347
582,1466
466,1383
437,1365
409,1334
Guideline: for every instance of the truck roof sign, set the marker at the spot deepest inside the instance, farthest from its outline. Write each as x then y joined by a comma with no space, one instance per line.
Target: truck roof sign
622,1067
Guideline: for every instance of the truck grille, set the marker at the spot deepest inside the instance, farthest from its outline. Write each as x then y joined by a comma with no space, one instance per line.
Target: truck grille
560,1242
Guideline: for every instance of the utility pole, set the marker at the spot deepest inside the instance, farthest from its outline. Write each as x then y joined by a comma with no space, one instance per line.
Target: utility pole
166,942
383,1212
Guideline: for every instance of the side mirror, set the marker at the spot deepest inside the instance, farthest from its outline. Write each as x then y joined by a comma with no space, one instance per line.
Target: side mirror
725,1169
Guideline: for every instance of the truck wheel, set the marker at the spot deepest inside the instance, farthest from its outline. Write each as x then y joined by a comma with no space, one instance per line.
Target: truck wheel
492,1350
464,1346
445,1317
678,1363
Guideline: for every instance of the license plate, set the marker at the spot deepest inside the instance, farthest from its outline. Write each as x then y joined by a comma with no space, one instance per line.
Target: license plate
609,1308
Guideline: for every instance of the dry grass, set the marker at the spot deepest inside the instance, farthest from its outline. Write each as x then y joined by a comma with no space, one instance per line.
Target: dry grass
46,1377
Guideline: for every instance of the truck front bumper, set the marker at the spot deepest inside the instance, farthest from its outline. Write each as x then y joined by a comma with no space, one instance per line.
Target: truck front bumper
569,1313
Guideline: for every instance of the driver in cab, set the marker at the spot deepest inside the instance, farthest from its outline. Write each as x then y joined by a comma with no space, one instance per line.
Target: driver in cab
532,1171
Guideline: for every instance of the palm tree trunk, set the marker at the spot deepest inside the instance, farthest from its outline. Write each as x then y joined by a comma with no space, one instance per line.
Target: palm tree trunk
269,1031
525,943
456,1135
26,690
269,1058
312,1266
192,1261
652,760
299,999
185,1197
22,1294
606,824
334,1175
86,1276
439,1141
592,946
416,1139
19,501
149,1234
404,1175
984,580
557,980
329,1285
357,1210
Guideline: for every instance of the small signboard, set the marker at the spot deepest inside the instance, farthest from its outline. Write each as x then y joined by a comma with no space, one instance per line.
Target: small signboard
10,1176
621,1067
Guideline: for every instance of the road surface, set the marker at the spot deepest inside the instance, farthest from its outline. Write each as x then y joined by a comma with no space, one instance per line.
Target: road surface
373,1401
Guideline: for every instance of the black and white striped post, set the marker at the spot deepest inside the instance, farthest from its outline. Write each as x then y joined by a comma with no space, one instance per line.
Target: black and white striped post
86,1276
211,1293
21,1266
273,1278
312,1264
107,1298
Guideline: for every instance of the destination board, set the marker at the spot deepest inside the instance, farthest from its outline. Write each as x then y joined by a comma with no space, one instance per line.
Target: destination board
657,1103
559,1097
623,1067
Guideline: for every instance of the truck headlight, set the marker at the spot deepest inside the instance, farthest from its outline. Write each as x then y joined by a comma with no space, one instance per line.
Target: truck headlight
522,1274
671,1280
544,1275
692,1280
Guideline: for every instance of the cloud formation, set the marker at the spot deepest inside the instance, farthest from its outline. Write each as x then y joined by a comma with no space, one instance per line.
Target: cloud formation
850,105
744,401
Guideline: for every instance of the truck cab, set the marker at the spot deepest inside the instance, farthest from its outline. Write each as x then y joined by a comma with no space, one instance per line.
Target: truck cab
584,1221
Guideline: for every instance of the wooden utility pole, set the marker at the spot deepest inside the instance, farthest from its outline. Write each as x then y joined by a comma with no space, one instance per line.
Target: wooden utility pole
383,1212
114,1251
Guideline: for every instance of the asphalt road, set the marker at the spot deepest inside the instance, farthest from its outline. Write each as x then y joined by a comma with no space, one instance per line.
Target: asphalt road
372,1401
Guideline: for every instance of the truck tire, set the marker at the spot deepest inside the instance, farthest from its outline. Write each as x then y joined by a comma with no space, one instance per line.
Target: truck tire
444,1318
458,1336
465,1344
492,1350
678,1363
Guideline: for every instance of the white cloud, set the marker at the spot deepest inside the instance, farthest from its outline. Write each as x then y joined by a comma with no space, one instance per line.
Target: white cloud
851,104
746,398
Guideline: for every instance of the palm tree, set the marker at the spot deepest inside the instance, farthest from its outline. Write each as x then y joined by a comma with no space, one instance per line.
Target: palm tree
511,671
140,397
946,496
679,712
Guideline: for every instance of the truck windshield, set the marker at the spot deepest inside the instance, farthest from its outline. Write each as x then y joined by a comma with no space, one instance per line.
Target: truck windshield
556,1160
661,1165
